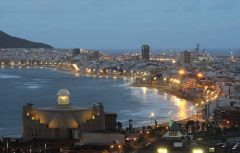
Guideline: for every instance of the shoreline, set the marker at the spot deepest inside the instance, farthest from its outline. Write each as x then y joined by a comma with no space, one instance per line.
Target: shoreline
160,89
166,89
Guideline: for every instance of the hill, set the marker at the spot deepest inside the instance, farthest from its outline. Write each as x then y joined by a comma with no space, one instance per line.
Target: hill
7,41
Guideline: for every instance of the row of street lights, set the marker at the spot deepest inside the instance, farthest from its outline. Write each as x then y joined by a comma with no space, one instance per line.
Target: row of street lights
165,150
152,115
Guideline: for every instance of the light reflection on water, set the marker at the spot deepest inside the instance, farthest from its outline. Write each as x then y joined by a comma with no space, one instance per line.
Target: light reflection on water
144,90
39,87
164,106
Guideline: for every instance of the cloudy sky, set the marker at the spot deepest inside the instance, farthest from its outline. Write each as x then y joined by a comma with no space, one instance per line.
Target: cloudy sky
124,24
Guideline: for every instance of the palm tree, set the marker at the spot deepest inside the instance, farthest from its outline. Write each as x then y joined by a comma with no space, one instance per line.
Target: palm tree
130,125
119,126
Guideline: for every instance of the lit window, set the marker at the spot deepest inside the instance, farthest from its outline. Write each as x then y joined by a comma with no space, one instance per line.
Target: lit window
212,149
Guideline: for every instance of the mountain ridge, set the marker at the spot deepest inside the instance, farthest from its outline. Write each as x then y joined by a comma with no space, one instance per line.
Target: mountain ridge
8,41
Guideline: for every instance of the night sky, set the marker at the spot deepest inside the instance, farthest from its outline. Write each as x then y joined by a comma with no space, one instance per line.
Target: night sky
124,24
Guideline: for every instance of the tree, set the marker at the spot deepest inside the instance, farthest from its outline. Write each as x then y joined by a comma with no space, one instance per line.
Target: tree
149,127
187,126
193,129
152,133
128,148
130,125
119,126
156,123
141,140
203,126
197,126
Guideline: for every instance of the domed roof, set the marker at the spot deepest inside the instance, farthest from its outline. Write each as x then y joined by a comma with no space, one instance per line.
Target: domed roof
63,92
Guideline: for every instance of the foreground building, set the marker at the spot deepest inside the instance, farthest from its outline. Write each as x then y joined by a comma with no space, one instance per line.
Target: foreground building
175,132
227,116
63,120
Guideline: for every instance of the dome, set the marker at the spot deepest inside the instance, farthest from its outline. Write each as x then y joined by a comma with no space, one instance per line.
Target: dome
63,92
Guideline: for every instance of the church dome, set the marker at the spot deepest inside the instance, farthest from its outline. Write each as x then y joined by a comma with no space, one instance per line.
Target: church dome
63,92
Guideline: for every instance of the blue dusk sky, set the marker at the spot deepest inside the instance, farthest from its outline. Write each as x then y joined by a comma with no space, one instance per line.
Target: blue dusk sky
124,24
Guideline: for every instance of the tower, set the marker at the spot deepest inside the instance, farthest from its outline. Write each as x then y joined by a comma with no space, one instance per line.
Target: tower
75,52
198,47
63,98
145,52
185,57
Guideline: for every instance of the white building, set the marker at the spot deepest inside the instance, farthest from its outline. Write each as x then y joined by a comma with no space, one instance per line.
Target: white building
61,121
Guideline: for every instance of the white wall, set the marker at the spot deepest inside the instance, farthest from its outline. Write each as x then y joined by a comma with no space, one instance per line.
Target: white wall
100,138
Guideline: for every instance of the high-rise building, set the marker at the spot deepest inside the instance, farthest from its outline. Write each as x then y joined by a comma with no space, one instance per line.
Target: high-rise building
198,48
185,57
145,52
75,52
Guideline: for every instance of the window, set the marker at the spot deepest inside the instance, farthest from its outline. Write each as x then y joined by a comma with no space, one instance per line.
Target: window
173,133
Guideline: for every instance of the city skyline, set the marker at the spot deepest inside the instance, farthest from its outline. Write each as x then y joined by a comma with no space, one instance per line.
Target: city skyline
124,24
126,76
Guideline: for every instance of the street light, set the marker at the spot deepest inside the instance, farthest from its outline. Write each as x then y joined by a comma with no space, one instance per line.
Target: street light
45,147
151,117
181,72
200,75
7,146
162,150
197,151
169,113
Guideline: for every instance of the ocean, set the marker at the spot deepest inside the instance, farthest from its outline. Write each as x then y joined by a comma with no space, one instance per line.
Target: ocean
39,87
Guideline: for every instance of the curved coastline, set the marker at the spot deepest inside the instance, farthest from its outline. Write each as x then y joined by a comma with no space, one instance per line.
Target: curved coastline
67,70
161,90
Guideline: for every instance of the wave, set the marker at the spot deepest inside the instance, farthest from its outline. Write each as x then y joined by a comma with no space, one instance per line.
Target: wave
14,136
127,84
32,85
8,76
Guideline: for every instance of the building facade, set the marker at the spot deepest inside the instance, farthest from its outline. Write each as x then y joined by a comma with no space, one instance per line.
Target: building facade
174,132
227,116
185,57
60,121
145,52
90,54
